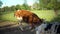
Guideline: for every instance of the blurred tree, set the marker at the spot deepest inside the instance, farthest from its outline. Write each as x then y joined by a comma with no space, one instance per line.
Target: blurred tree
1,3
17,7
12,8
25,5
6,8
43,4
50,4
35,5
0,9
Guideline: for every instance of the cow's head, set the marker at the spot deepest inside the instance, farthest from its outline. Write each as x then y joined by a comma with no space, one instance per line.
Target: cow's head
18,15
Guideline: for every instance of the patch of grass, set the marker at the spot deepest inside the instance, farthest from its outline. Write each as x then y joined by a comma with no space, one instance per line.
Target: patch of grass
48,15
8,16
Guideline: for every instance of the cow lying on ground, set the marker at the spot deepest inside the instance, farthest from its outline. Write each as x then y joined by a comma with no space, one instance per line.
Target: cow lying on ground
28,17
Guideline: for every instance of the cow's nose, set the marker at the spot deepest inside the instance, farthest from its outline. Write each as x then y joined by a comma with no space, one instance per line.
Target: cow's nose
20,18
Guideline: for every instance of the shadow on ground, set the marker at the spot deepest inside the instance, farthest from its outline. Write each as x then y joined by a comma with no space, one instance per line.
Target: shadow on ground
14,30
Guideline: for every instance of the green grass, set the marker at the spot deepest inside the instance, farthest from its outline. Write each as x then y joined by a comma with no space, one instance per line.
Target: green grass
48,15
8,16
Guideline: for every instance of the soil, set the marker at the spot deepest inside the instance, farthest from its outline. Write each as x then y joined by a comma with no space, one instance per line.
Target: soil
13,29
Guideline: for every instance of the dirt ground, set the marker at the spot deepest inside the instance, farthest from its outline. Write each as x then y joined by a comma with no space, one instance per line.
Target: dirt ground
15,30
12,28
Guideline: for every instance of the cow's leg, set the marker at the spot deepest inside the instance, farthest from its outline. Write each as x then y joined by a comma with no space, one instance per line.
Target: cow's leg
31,27
37,32
31,22
20,25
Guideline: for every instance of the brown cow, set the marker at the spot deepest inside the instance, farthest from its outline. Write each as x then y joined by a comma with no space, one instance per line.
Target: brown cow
28,17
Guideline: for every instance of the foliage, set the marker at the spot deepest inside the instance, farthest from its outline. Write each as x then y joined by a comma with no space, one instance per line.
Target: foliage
36,5
26,7
12,8
6,8
1,3
17,7
49,4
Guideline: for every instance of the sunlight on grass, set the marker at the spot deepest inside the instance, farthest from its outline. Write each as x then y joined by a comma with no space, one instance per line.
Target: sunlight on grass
9,17
48,15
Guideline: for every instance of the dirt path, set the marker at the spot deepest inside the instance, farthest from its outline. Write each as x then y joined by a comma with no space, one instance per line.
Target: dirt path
12,28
